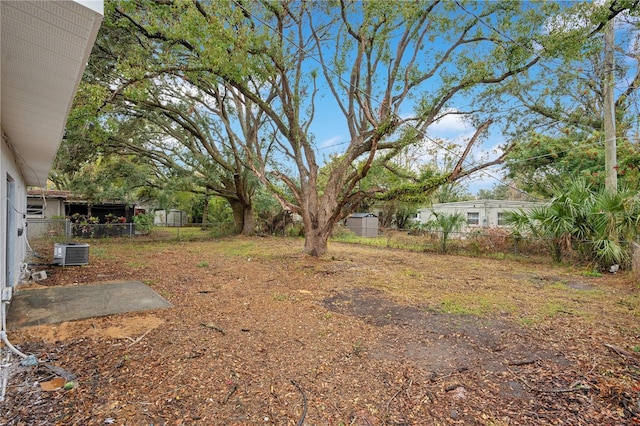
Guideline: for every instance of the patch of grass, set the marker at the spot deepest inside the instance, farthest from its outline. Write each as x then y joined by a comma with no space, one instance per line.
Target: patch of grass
548,311
475,304
246,248
101,252
182,233
203,264
135,264
558,285
591,273
379,241
367,241
98,251
142,247
525,321
413,273
280,297
499,255
454,306
220,230
552,308
358,349
630,304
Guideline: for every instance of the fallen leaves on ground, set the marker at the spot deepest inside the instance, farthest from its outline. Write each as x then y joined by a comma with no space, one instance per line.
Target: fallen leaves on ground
260,334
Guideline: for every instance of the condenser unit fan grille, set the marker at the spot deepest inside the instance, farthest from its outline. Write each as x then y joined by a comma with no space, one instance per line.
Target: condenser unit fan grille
69,254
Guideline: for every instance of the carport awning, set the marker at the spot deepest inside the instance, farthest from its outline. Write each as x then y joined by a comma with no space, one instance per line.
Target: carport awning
45,46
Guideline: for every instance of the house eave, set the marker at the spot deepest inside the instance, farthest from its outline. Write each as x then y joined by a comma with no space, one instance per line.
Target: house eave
44,50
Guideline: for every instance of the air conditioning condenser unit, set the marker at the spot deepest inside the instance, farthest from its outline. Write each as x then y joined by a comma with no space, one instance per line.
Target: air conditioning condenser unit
70,254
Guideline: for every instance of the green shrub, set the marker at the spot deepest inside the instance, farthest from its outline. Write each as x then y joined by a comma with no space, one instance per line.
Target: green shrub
144,223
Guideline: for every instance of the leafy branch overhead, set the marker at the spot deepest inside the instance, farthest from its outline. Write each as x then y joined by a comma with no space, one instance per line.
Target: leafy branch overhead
419,192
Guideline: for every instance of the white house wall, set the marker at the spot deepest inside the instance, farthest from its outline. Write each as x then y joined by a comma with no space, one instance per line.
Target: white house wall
487,210
54,208
44,47
12,215
49,208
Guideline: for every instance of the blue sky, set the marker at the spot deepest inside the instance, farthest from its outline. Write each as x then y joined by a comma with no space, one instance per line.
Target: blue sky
332,139
332,136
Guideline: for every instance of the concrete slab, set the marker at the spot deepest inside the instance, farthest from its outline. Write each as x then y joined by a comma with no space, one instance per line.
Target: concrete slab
58,304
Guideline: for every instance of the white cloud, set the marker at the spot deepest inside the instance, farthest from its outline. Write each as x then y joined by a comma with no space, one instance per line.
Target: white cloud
331,142
450,123
566,23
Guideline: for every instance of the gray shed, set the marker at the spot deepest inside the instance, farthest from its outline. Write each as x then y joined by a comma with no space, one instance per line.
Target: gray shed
363,224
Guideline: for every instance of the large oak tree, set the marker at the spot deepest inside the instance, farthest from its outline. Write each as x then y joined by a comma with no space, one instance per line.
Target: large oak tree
388,70
132,101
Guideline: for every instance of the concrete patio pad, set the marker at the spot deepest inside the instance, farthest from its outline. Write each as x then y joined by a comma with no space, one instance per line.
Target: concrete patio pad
58,304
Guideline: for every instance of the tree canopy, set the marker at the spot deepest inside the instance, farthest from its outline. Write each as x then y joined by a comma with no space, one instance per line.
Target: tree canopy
235,93
556,113
389,69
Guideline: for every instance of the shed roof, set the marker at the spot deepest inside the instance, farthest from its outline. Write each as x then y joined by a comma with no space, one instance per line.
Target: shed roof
355,215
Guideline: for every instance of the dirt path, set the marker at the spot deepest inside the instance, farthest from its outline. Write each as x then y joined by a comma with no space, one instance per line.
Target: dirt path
260,334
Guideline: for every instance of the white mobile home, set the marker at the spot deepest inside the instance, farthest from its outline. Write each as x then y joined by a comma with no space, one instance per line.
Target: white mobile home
479,213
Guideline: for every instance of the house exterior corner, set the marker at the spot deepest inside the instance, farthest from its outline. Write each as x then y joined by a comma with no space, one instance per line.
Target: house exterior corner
44,48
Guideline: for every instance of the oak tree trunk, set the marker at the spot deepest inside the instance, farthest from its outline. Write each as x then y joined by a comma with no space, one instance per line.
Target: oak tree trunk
249,221
316,241
243,220
205,213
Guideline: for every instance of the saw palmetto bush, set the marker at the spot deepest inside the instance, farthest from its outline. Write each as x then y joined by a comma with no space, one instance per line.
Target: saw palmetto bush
445,224
594,224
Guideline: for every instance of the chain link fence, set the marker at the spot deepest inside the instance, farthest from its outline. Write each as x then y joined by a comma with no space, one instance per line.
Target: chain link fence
486,241
490,242
501,243
48,228
65,229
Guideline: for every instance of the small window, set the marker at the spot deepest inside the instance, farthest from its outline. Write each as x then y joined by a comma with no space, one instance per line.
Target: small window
473,218
35,209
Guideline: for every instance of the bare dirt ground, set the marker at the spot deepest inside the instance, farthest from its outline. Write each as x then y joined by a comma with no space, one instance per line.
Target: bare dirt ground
261,335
